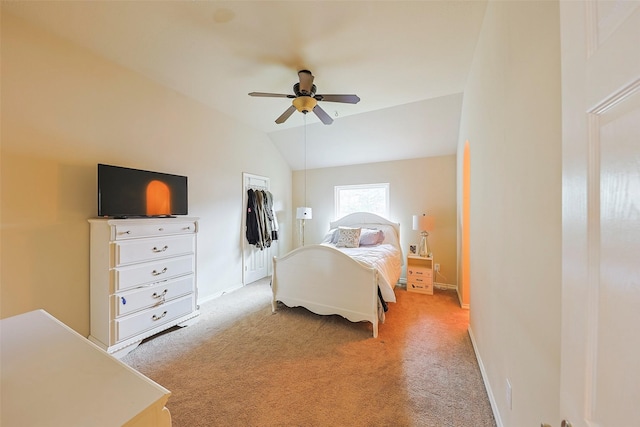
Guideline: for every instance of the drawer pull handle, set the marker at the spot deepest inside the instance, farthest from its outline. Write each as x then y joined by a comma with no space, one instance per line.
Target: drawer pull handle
162,295
155,249
160,229
155,317
157,273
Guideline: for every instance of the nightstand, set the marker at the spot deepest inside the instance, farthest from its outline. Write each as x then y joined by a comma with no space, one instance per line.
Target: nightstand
420,274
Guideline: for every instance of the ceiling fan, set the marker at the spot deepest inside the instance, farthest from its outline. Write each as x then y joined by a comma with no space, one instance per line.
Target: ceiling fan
305,99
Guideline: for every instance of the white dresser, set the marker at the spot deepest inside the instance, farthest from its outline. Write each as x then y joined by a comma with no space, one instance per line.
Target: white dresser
143,279
52,376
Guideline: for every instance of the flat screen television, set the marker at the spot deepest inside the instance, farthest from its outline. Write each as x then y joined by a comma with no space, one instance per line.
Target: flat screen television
125,192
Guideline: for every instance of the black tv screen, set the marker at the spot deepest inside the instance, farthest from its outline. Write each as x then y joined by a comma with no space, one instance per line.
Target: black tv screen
125,192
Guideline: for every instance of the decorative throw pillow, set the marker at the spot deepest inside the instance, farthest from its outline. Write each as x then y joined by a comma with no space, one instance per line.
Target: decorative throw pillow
371,236
348,237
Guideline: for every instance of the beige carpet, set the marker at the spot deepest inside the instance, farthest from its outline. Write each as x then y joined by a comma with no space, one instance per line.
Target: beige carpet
240,365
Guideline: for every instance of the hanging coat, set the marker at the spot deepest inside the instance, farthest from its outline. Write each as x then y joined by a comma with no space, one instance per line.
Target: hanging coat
271,215
252,224
263,222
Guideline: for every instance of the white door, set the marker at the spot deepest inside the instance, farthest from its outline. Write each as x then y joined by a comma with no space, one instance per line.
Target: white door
600,365
255,262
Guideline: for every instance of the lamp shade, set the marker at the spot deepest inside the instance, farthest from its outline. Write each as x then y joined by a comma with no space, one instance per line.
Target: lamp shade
304,213
423,222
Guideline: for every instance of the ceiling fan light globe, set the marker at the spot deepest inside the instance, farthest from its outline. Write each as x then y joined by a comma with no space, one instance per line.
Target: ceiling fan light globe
304,104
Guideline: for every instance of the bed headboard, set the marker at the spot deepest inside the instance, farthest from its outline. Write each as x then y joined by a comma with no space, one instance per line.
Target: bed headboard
364,218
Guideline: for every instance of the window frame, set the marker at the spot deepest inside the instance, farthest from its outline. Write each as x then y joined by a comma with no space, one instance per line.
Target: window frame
338,188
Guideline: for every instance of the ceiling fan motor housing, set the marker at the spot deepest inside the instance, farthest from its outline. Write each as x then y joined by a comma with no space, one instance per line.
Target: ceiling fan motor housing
304,92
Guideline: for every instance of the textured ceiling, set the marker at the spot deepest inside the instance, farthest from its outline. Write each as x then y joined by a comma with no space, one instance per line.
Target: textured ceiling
408,62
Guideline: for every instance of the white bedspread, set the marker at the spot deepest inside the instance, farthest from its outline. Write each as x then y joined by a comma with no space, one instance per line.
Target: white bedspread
386,258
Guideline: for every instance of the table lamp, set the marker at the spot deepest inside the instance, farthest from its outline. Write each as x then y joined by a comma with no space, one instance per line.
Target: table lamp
424,224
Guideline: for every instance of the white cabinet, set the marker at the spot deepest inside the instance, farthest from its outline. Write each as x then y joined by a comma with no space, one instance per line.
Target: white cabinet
420,274
52,376
143,279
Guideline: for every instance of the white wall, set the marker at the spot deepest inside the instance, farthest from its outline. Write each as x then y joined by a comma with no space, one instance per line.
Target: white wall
511,117
426,185
63,111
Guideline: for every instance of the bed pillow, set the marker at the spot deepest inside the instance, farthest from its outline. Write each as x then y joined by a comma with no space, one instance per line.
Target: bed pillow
390,236
348,237
371,236
331,236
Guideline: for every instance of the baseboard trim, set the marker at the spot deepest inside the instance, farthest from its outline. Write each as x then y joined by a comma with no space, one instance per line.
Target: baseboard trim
219,294
465,306
445,286
485,380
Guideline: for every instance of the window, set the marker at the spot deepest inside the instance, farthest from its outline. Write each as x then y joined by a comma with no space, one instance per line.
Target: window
372,198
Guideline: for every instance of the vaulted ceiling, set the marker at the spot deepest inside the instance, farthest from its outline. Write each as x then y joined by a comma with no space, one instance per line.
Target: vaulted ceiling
408,61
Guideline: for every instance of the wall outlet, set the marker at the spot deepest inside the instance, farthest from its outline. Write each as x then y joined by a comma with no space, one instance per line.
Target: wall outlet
509,395
437,267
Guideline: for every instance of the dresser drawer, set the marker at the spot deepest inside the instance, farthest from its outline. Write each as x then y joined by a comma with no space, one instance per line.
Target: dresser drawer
140,250
152,318
419,272
420,287
419,280
153,227
128,302
152,272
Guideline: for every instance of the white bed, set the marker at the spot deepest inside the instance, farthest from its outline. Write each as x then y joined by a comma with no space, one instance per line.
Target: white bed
328,280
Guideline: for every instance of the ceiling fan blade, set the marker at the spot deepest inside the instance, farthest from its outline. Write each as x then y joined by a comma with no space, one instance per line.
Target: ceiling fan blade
322,115
349,99
306,81
284,116
271,95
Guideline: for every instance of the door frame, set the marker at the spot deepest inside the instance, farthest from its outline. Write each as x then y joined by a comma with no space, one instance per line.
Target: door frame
260,182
